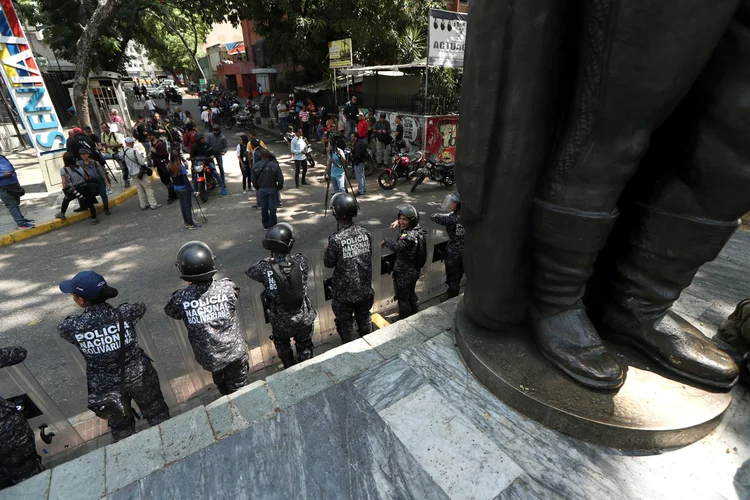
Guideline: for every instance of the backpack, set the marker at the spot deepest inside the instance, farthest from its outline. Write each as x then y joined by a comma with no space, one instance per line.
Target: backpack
289,282
421,256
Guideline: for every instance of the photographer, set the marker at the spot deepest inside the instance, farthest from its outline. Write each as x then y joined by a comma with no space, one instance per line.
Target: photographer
141,174
75,186
159,159
117,369
112,149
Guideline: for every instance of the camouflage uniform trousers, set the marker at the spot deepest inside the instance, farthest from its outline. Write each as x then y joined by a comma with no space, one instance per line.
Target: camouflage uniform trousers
302,336
18,457
454,270
232,377
146,392
346,313
404,286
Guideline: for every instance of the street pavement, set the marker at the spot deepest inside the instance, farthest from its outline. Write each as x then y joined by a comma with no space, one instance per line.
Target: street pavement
135,251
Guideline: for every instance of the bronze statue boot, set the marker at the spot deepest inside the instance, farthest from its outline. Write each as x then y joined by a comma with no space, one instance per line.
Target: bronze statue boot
664,255
566,244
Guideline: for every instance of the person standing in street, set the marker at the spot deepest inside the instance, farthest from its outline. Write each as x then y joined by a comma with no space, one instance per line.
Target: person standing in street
183,189
137,92
359,153
18,457
349,253
290,311
362,128
409,249
11,192
335,169
283,116
140,132
112,149
160,160
219,144
298,147
75,187
351,111
304,120
268,180
398,134
454,266
144,91
206,118
209,310
95,177
106,337
115,118
383,137
141,175
242,159
150,105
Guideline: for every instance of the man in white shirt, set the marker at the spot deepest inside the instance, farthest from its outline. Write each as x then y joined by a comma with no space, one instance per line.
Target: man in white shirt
150,106
215,114
206,118
134,160
300,159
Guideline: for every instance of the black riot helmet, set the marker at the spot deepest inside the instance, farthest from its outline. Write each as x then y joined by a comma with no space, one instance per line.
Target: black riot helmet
195,261
410,213
343,206
279,239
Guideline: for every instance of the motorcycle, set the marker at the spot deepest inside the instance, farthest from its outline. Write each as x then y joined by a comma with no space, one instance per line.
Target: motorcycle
308,149
404,166
241,118
206,179
438,172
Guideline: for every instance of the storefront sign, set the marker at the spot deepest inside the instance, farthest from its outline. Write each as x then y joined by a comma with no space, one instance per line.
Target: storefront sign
340,53
25,84
447,38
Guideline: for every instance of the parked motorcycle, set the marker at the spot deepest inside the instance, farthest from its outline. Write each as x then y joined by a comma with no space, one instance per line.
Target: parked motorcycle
206,179
241,118
404,166
438,172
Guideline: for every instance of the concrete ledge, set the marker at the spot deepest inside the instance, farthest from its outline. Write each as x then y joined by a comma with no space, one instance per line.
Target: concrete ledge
253,402
185,434
51,225
348,360
133,458
297,383
82,478
395,339
431,322
32,489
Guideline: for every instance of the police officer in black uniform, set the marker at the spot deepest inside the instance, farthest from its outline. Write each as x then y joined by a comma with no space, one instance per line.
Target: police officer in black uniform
406,269
209,310
454,264
349,253
18,457
290,312
96,333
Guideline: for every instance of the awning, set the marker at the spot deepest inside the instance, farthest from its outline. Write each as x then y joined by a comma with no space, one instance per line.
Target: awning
322,86
391,67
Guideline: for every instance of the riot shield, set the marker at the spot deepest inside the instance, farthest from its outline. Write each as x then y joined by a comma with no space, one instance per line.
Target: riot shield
319,290
200,379
146,341
261,326
382,269
434,269
52,431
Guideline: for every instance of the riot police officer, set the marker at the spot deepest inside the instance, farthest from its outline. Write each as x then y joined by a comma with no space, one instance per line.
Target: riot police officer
18,457
284,277
97,333
349,252
209,311
454,265
410,258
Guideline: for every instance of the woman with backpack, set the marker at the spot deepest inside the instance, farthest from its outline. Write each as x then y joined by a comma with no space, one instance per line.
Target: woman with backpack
75,185
182,188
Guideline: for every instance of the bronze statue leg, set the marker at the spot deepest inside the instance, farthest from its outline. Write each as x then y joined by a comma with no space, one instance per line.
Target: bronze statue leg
638,60
688,215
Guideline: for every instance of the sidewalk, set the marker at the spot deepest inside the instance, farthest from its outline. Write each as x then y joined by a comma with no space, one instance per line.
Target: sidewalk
40,205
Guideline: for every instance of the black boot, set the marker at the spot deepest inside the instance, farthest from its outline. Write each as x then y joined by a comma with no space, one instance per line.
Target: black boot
664,253
566,245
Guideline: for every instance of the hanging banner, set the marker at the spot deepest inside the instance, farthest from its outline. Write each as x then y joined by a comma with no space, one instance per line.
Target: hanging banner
340,53
447,38
25,84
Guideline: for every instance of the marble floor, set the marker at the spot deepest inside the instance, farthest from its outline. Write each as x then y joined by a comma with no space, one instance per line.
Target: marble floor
419,425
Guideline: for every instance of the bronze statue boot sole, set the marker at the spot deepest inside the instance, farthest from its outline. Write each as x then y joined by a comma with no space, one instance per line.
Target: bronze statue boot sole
674,344
570,342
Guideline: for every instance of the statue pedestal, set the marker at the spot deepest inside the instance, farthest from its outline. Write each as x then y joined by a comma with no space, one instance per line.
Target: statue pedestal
651,410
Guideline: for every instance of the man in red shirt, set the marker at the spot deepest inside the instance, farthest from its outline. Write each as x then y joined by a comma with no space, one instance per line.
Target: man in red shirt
362,126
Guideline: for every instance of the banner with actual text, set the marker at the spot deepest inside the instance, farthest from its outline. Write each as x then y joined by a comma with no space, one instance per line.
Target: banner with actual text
23,79
447,38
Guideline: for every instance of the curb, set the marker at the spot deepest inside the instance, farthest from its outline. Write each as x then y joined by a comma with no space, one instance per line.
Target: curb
45,227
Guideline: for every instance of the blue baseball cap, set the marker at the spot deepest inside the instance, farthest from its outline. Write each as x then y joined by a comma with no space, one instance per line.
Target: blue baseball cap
89,285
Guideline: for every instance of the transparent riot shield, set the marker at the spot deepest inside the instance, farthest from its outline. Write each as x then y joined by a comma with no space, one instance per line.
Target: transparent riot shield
146,341
200,381
52,431
319,290
382,269
261,325
434,269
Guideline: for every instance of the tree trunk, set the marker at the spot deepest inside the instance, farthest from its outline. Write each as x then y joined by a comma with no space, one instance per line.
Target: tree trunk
102,17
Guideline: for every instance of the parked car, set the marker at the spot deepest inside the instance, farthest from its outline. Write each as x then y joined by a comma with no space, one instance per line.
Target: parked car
158,92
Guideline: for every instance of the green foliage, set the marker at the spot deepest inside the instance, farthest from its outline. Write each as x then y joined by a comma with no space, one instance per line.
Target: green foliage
298,31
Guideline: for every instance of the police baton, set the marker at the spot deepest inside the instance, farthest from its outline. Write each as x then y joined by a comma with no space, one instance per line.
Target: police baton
325,202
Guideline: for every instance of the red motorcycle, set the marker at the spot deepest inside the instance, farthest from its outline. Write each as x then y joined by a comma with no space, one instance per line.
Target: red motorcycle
206,178
404,166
